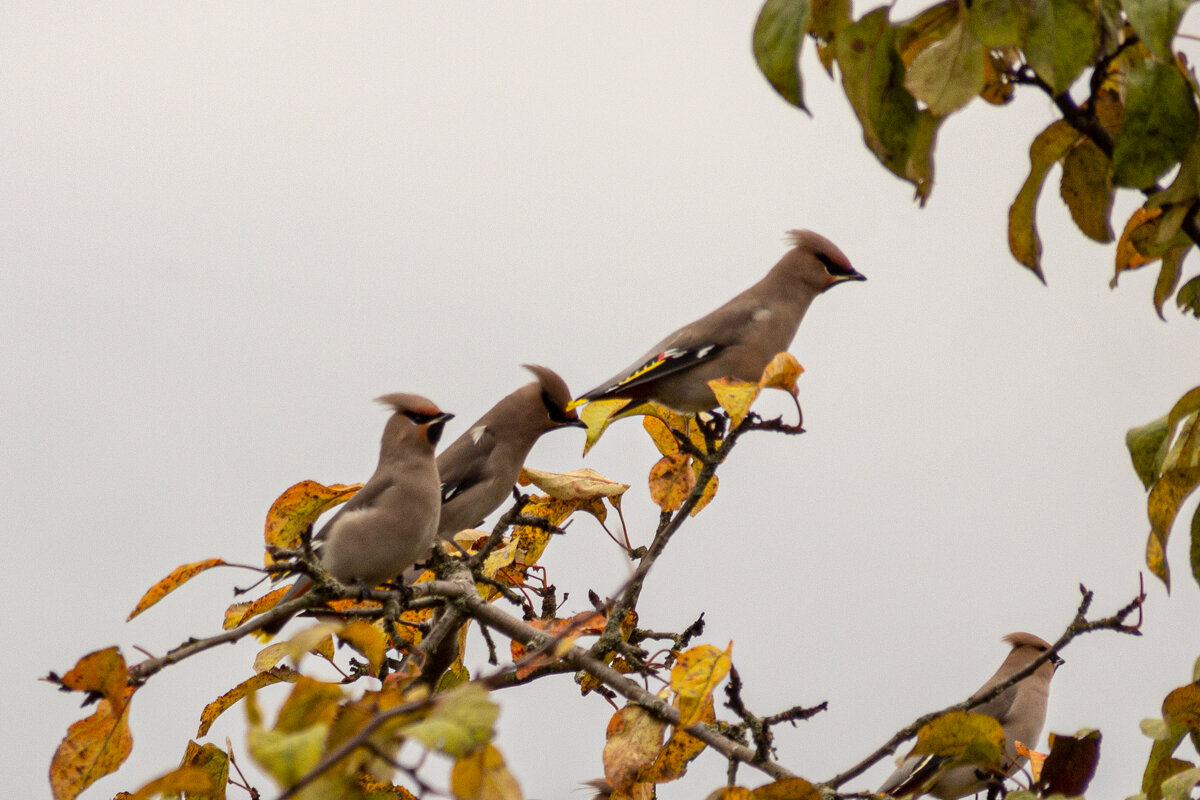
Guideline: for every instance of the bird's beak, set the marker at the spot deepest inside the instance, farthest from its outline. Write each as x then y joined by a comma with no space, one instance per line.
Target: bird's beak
433,428
854,276
574,423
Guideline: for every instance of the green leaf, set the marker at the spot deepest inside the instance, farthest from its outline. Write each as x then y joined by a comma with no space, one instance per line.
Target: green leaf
947,74
1186,186
1179,786
899,134
1146,448
1156,22
1060,40
1087,189
1169,492
1023,240
967,737
287,757
1188,298
1168,276
461,720
997,23
1160,124
778,36
1196,547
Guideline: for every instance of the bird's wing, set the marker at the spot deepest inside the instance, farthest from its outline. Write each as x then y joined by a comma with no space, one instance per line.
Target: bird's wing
462,465
997,707
363,498
690,345
913,776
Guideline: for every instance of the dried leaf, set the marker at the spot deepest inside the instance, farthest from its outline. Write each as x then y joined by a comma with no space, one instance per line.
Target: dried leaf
585,623
671,762
93,747
1069,767
579,484
178,577
294,511
219,706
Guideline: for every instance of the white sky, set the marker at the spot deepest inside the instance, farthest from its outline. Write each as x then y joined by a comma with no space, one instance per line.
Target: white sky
226,227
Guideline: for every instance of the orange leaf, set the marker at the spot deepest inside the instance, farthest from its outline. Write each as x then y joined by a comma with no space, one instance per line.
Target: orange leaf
178,577
93,747
787,789
238,613
1036,759
585,623
102,671
671,481
1128,255
681,748
219,706
298,508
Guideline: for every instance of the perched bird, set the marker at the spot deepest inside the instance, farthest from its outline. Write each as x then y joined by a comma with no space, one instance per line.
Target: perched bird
391,521
1021,712
737,340
479,469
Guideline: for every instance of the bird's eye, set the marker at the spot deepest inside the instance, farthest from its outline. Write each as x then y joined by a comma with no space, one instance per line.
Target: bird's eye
832,267
554,411
418,418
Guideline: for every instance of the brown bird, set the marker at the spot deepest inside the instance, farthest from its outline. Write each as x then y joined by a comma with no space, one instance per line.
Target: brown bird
738,339
1021,712
392,520
478,470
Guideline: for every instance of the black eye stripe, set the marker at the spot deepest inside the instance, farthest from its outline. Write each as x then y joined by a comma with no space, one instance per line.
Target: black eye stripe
553,410
419,418
832,267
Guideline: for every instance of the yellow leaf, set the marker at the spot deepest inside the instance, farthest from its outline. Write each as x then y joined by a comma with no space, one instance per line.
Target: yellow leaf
271,655
710,490
462,719
368,639
597,416
298,508
967,737
287,757
482,775
192,780
735,397
93,747
177,578
731,793
213,762
634,739
671,762
659,431
787,789
695,676
782,373
313,640
219,706
310,702
1168,494
671,481
579,484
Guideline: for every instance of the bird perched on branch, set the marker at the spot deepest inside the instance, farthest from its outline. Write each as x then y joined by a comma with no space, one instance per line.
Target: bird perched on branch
1021,712
479,469
393,518
738,339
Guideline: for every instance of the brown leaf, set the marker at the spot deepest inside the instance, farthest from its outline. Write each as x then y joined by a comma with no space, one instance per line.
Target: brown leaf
219,706
585,623
1069,767
298,508
178,577
671,481
93,747
787,789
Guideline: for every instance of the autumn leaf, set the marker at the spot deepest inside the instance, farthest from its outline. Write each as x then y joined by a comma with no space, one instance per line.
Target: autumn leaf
695,676
178,577
671,481
294,511
596,416
966,737
579,484
585,623
483,775
786,789
671,762
192,780
1048,147
462,719
367,639
633,739
213,762
101,671
782,373
223,703
735,397
93,747
238,613
1036,759
1070,765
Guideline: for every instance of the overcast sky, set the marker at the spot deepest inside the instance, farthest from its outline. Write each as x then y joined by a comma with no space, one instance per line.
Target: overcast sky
226,227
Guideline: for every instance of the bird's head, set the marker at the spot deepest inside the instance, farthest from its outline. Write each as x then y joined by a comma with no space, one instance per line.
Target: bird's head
818,262
555,398
1027,647
414,414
